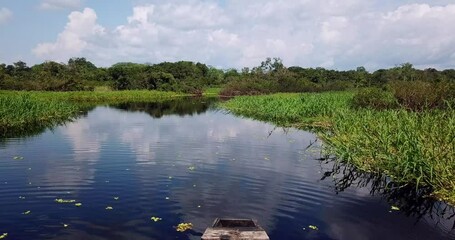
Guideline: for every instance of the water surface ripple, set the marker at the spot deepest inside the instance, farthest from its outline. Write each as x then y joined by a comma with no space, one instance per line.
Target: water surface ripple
191,166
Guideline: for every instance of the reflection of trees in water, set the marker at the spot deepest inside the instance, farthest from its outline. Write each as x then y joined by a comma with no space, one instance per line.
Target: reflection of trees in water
412,201
181,107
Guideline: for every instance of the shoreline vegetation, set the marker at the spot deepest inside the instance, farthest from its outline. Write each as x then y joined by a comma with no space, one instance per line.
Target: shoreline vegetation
410,147
398,121
24,113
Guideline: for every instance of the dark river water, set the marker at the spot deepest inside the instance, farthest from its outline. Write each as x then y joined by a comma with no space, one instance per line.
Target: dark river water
184,161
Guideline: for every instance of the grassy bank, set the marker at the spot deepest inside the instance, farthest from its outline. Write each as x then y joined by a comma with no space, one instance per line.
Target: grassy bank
22,113
410,147
27,112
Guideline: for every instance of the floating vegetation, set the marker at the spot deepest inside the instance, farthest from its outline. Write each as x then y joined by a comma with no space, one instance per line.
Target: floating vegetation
182,227
27,212
156,219
4,235
109,208
313,227
60,200
78,204
395,208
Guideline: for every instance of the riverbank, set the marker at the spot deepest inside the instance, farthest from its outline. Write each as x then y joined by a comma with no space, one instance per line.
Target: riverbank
410,147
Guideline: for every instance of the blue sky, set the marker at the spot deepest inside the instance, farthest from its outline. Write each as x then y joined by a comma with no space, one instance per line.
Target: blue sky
231,33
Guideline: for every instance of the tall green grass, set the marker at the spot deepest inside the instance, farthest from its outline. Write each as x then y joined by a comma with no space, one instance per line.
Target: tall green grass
307,109
22,113
410,147
27,112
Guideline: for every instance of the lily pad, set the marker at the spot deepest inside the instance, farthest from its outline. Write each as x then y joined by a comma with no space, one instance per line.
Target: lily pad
60,200
395,208
156,219
313,227
182,227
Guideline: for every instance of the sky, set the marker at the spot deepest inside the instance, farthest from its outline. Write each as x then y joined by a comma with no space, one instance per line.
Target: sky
231,33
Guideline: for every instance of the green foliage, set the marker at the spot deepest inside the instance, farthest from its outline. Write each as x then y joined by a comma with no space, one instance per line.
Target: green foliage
374,98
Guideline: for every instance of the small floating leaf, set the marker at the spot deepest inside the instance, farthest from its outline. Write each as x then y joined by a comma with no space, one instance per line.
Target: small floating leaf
313,227
116,198
395,208
78,204
156,219
26,212
4,235
109,208
60,200
182,227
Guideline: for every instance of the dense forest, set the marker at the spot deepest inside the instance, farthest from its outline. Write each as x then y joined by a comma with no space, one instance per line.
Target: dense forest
189,77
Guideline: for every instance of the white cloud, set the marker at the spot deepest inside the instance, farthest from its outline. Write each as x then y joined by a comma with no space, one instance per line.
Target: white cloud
238,33
60,4
5,15
81,33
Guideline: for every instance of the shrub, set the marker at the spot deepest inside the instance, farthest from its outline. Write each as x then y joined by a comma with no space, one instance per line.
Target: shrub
374,98
419,95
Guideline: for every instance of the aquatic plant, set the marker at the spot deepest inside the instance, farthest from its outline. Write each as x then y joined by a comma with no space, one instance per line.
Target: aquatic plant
182,227
60,200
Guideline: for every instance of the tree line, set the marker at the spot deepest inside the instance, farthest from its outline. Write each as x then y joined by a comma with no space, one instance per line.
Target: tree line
185,76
